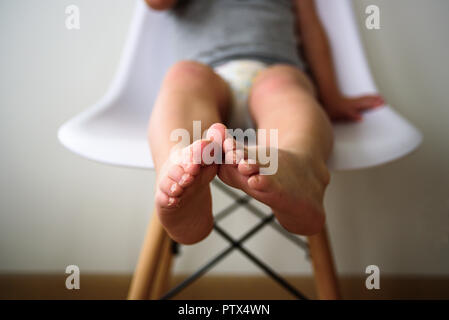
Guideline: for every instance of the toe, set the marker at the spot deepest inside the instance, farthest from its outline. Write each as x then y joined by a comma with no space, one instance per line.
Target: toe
193,154
213,152
216,132
229,145
260,183
233,151
179,175
234,156
170,187
192,157
247,168
191,168
176,172
165,201
186,180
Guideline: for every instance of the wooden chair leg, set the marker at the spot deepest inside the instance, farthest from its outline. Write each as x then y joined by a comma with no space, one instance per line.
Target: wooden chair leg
323,266
162,279
147,265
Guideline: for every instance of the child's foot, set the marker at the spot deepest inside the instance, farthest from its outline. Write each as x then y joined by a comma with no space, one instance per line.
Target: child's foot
294,193
183,197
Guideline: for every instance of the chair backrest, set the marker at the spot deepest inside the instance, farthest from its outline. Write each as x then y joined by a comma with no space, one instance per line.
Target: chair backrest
114,130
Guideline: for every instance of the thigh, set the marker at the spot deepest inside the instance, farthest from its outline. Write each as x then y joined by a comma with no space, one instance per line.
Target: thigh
190,88
280,88
190,92
283,98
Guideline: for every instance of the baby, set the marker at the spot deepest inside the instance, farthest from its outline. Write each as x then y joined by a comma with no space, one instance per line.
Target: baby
221,42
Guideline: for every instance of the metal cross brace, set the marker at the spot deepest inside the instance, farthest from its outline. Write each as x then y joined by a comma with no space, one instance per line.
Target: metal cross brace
237,244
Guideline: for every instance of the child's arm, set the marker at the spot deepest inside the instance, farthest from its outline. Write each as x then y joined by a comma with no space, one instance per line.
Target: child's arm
161,4
318,54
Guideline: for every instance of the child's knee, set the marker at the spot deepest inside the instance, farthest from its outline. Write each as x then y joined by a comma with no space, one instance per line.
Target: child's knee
190,74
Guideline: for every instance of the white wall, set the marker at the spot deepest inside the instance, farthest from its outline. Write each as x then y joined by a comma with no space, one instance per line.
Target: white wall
58,209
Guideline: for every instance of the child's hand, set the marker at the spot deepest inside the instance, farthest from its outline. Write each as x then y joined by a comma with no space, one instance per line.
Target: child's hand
161,4
351,109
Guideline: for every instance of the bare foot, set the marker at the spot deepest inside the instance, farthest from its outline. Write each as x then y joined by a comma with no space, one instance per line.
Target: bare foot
183,198
294,193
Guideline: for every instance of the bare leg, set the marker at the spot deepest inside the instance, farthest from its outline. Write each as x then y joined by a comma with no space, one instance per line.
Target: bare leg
191,91
283,98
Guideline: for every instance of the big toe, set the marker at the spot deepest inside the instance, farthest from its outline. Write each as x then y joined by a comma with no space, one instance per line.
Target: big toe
217,133
234,152
193,156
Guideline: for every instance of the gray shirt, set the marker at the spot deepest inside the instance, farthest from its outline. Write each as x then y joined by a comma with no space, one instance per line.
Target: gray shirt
215,31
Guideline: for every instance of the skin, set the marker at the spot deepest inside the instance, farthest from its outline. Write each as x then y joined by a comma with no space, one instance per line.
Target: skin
317,52
185,212
160,4
192,91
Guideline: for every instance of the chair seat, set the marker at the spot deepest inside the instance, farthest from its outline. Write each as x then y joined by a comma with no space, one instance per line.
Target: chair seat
112,136
114,130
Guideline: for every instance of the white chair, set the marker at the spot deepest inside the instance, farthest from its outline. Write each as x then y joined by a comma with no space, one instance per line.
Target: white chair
114,130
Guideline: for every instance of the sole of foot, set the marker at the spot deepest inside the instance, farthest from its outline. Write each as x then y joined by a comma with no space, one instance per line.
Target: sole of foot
294,192
183,197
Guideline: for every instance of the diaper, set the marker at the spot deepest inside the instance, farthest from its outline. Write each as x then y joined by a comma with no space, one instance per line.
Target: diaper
240,74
